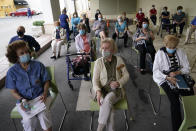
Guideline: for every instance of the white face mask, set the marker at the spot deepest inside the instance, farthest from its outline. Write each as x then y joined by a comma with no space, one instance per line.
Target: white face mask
140,11
100,19
106,54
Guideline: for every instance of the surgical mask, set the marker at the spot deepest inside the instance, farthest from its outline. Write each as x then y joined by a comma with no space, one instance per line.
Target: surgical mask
140,11
145,26
20,33
170,51
179,11
57,27
25,58
100,19
106,54
119,20
82,32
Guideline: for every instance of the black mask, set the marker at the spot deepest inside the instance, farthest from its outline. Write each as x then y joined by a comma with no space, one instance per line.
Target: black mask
20,33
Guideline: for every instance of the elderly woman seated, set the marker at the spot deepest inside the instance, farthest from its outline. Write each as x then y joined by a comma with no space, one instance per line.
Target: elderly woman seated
121,30
28,80
170,62
82,40
143,39
100,27
109,77
58,38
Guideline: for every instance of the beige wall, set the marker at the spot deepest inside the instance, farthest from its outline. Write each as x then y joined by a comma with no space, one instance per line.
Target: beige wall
189,6
112,8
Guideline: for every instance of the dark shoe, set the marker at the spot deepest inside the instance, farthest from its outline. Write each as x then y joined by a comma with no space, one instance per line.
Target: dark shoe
179,36
53,57
142,71
58,56
125,46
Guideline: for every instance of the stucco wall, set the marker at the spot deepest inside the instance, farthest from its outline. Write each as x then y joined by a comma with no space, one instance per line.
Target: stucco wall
189,6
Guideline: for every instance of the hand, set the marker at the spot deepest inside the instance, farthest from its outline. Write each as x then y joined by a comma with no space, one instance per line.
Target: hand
44,97
22,106
114,84
99,97
144,38
172,80
172,74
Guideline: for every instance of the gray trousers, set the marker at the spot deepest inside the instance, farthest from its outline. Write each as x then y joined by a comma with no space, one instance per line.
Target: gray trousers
106,113
190,30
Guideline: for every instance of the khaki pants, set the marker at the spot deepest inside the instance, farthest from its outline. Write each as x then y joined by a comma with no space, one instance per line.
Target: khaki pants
190,30
106,113
56,46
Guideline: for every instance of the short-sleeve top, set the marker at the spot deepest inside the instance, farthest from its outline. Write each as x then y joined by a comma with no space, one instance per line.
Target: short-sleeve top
29,84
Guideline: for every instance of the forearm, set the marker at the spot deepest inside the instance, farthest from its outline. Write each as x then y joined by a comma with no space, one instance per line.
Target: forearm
16,95
46,87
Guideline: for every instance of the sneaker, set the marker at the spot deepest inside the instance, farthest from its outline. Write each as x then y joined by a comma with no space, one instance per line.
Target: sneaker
53,57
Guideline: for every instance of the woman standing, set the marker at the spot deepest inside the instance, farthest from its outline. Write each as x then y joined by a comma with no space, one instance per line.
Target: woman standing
64,21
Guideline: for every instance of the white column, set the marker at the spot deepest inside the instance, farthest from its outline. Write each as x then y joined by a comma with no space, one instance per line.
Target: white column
51,10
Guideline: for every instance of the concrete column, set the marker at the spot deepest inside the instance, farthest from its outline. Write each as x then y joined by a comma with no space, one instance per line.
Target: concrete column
51,12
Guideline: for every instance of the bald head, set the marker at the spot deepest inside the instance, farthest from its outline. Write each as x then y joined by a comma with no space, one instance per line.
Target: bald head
21,31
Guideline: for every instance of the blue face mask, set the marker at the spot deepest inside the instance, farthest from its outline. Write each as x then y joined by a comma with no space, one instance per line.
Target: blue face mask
82,32
170,51
25,58
100,19
145,26
179,11
57,27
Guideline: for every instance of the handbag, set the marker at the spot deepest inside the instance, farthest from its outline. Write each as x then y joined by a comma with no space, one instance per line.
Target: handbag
189,80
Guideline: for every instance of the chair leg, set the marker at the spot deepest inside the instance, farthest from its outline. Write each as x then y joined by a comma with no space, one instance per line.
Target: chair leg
156,112
65,113
126,120
91,123
14,125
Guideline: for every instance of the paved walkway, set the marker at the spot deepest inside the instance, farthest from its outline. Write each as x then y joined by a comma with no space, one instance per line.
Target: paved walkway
136,91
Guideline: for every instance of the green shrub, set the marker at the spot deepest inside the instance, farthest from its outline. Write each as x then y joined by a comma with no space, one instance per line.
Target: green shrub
38,23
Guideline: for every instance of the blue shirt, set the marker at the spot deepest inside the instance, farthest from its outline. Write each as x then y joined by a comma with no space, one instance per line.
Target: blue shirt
29,39
75,21
193,22
63,20
120,28
58,34
29,84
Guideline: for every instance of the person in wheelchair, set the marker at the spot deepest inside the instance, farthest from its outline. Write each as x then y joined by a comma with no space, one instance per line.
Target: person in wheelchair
109,77
165,19
139,18
143,40
100,27
171,61
121,30
179,19
75,22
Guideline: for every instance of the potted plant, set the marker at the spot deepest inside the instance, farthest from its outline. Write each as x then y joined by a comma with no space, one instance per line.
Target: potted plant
38,28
